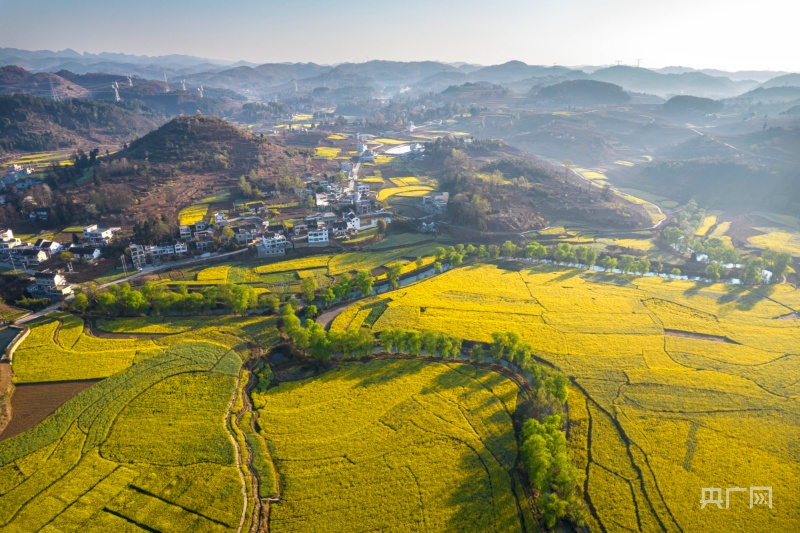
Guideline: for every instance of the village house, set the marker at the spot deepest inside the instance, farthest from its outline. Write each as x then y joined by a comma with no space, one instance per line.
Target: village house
30,256
87,253
8,241
98,236
318,236
185,232
436,203
49,247
49,285
271,245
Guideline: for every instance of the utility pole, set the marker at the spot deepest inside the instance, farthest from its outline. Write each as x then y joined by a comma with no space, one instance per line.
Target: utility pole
638,63
11,258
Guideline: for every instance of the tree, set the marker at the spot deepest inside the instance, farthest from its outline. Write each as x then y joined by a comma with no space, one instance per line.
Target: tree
430,342
308,286
413,342
642,266
273,303
609,263
714,271
342,288
66,256
778,262
440,253
626,263
482,252
563,253
675,272
135,303
311,311
536,251
509,249
437,267
387,338
227,233
328,297
81,303
106,303
419,262
590,258
364,282
494,251
381,226
498,346
393,275
751,271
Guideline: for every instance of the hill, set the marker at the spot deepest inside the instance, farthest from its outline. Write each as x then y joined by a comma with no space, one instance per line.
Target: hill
497,187
692,104
583,92
30,123
786,80
648,81
192,157
14,79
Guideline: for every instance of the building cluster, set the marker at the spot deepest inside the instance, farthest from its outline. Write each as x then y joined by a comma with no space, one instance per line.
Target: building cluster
25,254
17,176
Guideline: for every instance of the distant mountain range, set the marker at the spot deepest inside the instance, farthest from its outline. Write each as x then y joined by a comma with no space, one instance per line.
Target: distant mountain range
389,77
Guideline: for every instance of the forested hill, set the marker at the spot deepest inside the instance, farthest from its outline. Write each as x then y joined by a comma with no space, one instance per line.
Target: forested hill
31,123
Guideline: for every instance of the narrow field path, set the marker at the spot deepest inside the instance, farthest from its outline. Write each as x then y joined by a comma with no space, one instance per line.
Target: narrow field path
228,420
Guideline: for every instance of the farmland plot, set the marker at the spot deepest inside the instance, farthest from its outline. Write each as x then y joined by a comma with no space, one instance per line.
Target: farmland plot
678,386
394,445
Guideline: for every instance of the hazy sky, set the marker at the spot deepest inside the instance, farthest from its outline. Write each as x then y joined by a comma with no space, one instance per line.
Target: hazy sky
725,34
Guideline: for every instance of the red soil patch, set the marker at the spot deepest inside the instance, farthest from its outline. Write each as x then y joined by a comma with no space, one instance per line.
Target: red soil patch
33,402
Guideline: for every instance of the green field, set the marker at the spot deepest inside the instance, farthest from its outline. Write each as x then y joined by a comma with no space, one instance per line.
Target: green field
405,446
666,415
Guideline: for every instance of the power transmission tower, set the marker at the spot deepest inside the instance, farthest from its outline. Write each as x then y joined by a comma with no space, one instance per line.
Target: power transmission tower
638,63
183,85
130,81
166,82
115,86
53,91
200,90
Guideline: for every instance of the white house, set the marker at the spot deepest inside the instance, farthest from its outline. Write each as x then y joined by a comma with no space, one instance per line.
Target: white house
318,237
84,252
31,256
185,232
271,245
99,236
49,285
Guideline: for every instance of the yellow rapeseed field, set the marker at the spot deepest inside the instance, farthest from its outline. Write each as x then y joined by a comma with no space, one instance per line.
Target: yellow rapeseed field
394,446
682,386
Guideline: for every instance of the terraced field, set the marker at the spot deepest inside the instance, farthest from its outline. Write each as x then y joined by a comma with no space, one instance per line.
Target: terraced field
395,446
678,386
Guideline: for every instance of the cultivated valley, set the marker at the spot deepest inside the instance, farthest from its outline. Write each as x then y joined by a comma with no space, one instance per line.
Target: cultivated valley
396,296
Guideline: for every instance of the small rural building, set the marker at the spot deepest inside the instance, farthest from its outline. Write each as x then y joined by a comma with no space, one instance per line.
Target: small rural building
49,285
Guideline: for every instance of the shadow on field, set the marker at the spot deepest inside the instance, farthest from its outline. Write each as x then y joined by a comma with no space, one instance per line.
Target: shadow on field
745,299
381,371
473,500
575,272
